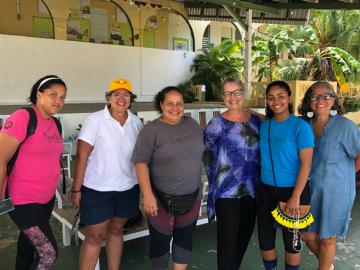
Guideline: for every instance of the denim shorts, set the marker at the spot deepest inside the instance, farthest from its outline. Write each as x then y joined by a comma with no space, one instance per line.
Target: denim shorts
99,206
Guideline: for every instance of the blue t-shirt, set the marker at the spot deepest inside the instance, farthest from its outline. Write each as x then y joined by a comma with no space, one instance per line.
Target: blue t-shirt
287,138
231,159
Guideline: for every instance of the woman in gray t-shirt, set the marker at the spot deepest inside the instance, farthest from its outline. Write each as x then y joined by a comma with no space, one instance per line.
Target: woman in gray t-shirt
167,158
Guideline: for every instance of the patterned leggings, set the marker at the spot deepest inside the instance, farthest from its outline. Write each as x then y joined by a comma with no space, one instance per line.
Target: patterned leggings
163,228
36,246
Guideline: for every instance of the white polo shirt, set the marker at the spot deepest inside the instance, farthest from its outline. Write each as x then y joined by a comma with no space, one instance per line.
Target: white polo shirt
109,167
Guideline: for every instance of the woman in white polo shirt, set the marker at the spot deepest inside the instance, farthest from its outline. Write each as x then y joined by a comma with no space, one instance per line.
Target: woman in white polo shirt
105,185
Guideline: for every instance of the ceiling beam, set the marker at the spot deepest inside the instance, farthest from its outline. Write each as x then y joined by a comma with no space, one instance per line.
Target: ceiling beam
236,16
272,7
261,18
245,5
200,5
307,5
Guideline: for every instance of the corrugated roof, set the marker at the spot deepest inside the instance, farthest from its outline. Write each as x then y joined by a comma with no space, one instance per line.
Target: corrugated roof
264,11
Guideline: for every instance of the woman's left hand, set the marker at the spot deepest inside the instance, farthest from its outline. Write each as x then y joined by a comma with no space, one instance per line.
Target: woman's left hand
293,206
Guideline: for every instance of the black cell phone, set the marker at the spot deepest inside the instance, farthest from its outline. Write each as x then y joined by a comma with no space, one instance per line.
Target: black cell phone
6,206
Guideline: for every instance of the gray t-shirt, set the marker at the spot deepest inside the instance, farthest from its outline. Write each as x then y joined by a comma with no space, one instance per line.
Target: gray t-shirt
173,154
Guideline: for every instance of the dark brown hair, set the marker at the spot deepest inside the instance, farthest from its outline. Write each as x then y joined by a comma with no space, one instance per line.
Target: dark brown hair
305,107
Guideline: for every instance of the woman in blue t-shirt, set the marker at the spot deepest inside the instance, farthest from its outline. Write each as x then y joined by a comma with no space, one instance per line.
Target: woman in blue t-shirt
286,146
231,161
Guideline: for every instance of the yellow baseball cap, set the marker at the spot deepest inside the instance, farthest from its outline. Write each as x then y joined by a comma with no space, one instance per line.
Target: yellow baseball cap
120,83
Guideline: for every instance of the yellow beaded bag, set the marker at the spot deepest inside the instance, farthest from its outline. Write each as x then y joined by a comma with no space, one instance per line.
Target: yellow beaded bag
304,219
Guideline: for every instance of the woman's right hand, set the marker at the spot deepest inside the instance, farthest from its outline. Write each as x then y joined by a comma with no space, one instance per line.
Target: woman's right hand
150,204
76,198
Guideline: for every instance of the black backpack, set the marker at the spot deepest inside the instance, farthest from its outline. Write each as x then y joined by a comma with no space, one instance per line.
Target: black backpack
31,127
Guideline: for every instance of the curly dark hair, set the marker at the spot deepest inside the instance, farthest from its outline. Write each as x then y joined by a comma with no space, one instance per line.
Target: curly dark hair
304,107
160,96
268,112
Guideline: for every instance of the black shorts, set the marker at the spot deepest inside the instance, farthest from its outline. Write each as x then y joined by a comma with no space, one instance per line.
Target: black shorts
99,206
268,198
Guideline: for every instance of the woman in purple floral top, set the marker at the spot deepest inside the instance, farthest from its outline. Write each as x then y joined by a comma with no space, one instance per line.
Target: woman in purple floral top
231,161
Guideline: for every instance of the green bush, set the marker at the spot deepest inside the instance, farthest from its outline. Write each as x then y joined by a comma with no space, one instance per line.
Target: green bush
215,64
187,89
351,101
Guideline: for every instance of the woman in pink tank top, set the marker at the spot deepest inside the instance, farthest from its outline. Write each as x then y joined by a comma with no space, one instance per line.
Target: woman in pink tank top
32,181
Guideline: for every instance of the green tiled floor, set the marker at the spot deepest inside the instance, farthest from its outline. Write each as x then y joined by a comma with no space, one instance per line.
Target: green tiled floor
204,253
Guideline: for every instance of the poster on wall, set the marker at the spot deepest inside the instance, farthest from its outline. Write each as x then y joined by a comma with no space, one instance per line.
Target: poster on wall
115,34
180,44
78,30
73,30
43,27
85,7
148,39
151,24
80,8
99,25
85,28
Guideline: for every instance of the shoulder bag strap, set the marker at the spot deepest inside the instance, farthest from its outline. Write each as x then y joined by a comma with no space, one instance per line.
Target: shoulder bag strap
271,159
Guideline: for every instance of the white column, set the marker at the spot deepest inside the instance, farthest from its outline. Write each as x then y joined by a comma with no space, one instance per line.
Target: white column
248,36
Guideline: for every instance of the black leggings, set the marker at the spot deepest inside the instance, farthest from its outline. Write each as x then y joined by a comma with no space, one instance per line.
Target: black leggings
267,200
36,245
235,219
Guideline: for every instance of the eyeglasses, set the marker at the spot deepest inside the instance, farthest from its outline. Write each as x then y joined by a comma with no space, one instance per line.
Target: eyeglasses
235,93
119,95
317,97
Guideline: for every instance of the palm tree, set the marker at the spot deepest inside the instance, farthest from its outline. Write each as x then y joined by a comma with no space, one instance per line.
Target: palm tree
215,64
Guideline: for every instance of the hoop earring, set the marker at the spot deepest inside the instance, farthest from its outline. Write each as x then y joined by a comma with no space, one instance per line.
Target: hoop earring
333,112
310,114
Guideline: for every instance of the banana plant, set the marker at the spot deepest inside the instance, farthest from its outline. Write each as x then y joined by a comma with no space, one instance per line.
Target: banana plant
319,47
267,50
332,63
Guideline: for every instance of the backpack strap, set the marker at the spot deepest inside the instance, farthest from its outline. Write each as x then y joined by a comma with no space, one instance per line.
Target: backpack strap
30,130
59,127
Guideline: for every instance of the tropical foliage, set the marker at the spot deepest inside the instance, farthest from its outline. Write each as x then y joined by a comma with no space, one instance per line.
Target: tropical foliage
187,89
215,64
351,100
320,51
268,49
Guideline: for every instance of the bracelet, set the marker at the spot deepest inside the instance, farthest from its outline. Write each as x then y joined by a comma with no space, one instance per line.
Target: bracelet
75,191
